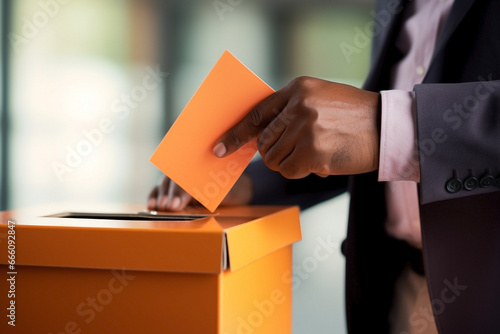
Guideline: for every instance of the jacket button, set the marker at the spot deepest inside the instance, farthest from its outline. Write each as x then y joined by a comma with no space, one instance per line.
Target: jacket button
453,185
470,183
486,181
496,183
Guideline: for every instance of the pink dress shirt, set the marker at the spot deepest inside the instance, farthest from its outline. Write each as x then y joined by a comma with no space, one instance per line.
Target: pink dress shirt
399,162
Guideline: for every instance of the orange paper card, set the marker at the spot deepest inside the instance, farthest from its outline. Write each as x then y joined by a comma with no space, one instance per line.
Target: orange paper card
185,154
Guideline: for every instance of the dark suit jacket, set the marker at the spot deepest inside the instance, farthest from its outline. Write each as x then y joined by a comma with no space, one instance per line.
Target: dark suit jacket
458,127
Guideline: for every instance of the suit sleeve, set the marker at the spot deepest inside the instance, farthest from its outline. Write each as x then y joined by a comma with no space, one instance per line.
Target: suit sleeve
271,188
458,129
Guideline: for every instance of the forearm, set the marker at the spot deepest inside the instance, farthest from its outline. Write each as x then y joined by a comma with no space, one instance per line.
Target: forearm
270,187
442,132
458,128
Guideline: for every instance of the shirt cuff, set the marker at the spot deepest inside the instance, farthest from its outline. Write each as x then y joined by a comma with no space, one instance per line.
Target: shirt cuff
398,160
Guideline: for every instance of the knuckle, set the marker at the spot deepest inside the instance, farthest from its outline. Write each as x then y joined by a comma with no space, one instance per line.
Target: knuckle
308,104
288,117
303,84
263,140
267,137
279,123
233,137
305,105
301,81
271,164
319,166
288,169
255,116
270,160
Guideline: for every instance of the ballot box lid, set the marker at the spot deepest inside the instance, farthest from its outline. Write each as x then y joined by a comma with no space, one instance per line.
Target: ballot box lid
126,236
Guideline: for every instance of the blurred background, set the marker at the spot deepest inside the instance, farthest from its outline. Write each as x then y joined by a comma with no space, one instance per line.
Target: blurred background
89,88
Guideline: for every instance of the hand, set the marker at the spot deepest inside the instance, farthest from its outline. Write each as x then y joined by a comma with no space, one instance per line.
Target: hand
168,196
312,126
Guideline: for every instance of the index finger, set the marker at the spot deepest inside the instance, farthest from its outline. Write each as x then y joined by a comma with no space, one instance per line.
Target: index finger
252,124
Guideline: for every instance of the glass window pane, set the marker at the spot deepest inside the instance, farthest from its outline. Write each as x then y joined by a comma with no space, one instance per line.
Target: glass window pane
86,103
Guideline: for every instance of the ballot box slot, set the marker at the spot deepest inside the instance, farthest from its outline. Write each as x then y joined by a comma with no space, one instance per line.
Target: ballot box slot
127,216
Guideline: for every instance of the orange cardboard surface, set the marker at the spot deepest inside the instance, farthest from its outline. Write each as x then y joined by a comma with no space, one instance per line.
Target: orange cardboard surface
230,272
185,154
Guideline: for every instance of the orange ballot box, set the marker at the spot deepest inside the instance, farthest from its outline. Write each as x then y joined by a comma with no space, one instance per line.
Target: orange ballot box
117,269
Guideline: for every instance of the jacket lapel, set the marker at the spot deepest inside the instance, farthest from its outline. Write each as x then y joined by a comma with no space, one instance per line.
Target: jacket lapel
457,13
378,76
381,44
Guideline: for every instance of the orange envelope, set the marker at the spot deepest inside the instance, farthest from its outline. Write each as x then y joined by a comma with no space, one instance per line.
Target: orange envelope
185,154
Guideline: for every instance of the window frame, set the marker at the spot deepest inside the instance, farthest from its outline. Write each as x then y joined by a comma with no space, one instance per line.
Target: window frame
5,6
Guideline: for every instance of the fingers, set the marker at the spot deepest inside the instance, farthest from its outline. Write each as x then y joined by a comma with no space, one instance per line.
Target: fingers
177,198
271,133
252,124
289,155
156,195
277,141
168,196
152,198
161,199
291,167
